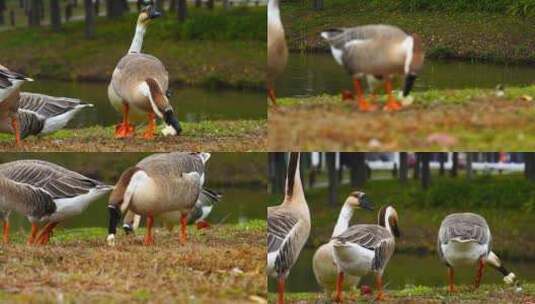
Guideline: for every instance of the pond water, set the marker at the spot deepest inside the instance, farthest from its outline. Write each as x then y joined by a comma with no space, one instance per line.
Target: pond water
318,73
405,270
241,201
191,104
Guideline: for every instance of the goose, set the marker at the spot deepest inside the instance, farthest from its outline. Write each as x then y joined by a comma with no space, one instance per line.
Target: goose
277,50
10,82
139,84
323,264
159,183
366,248
378,50
288,227
45,193
465,239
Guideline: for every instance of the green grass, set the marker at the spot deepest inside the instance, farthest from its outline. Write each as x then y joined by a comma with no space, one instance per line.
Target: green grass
462,31
187,49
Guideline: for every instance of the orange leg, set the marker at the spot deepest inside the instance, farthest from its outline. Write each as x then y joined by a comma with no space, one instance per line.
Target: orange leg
149,240
33,234
451,284
392,104
16,129
151,127
362,103
6,232
124,129
44,235
271,95
479,274
183,228
339,287
379,286
202,225
281,286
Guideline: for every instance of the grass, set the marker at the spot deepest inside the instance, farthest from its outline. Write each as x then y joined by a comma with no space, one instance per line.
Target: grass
186,49
461,32
220,265
218,135
422,294
465,119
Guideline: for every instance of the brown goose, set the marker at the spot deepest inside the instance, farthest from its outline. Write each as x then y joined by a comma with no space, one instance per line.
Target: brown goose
277,49
45,193
288,227
464,239
379,50
159,183
139,84
366,248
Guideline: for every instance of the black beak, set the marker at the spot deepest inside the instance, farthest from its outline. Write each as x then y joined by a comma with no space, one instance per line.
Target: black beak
170,119
115,217
409,83
154,13
365,203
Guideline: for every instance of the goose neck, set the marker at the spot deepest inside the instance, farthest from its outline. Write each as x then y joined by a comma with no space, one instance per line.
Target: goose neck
137,41
343,220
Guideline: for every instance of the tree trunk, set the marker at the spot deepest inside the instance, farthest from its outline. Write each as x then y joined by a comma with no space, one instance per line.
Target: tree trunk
317,5
210,4
442,159
403,167
198,3
469,160
333,178
115,8
277,169
34,19
55,15
3,9
358,171
182,10
455,164
426,171
529,163
416,172
89,19
172,6
97,7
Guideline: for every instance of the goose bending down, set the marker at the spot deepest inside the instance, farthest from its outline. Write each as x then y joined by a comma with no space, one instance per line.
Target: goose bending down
159,183
277,50
139,84
379,50
366,248
288,227
323,263
10,83
465,239
45,193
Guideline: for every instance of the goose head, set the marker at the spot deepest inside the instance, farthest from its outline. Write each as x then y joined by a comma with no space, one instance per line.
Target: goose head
388,218
359,199
148,13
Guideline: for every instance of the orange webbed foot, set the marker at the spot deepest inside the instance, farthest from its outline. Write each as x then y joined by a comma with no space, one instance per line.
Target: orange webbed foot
392,106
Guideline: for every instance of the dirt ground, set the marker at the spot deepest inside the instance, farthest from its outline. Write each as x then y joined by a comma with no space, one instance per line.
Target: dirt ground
223,264
484,123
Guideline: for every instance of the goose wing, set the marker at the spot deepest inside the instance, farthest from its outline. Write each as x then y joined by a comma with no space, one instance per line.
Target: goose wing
282,230
340,37
464,227
372,237
55,180
26,199
174,163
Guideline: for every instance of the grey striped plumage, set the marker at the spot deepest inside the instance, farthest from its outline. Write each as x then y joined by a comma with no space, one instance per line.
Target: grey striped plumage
464,226
280,238
25,199
206,198
372,237
340,36
173,164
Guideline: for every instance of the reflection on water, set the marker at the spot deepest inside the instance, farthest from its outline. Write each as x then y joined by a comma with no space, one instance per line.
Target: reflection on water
313,74
191,104
241,202
405,270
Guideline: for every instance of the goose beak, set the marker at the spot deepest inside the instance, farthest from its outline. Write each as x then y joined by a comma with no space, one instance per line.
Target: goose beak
365,203
154,13
171,120
409,83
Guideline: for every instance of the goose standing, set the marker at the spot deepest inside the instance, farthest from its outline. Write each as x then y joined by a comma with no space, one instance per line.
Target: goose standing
288,227
159,183
10,82
45,193
366,248
323,263
277,50
465,239
379,50
139,85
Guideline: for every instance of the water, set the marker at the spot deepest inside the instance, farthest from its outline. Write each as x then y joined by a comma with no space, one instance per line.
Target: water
191,104
241,201
313,74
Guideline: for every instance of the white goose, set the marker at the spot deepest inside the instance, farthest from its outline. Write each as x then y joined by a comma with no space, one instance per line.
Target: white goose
159,183
378,50
45,193
323,263
465,239
288,227
366,248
